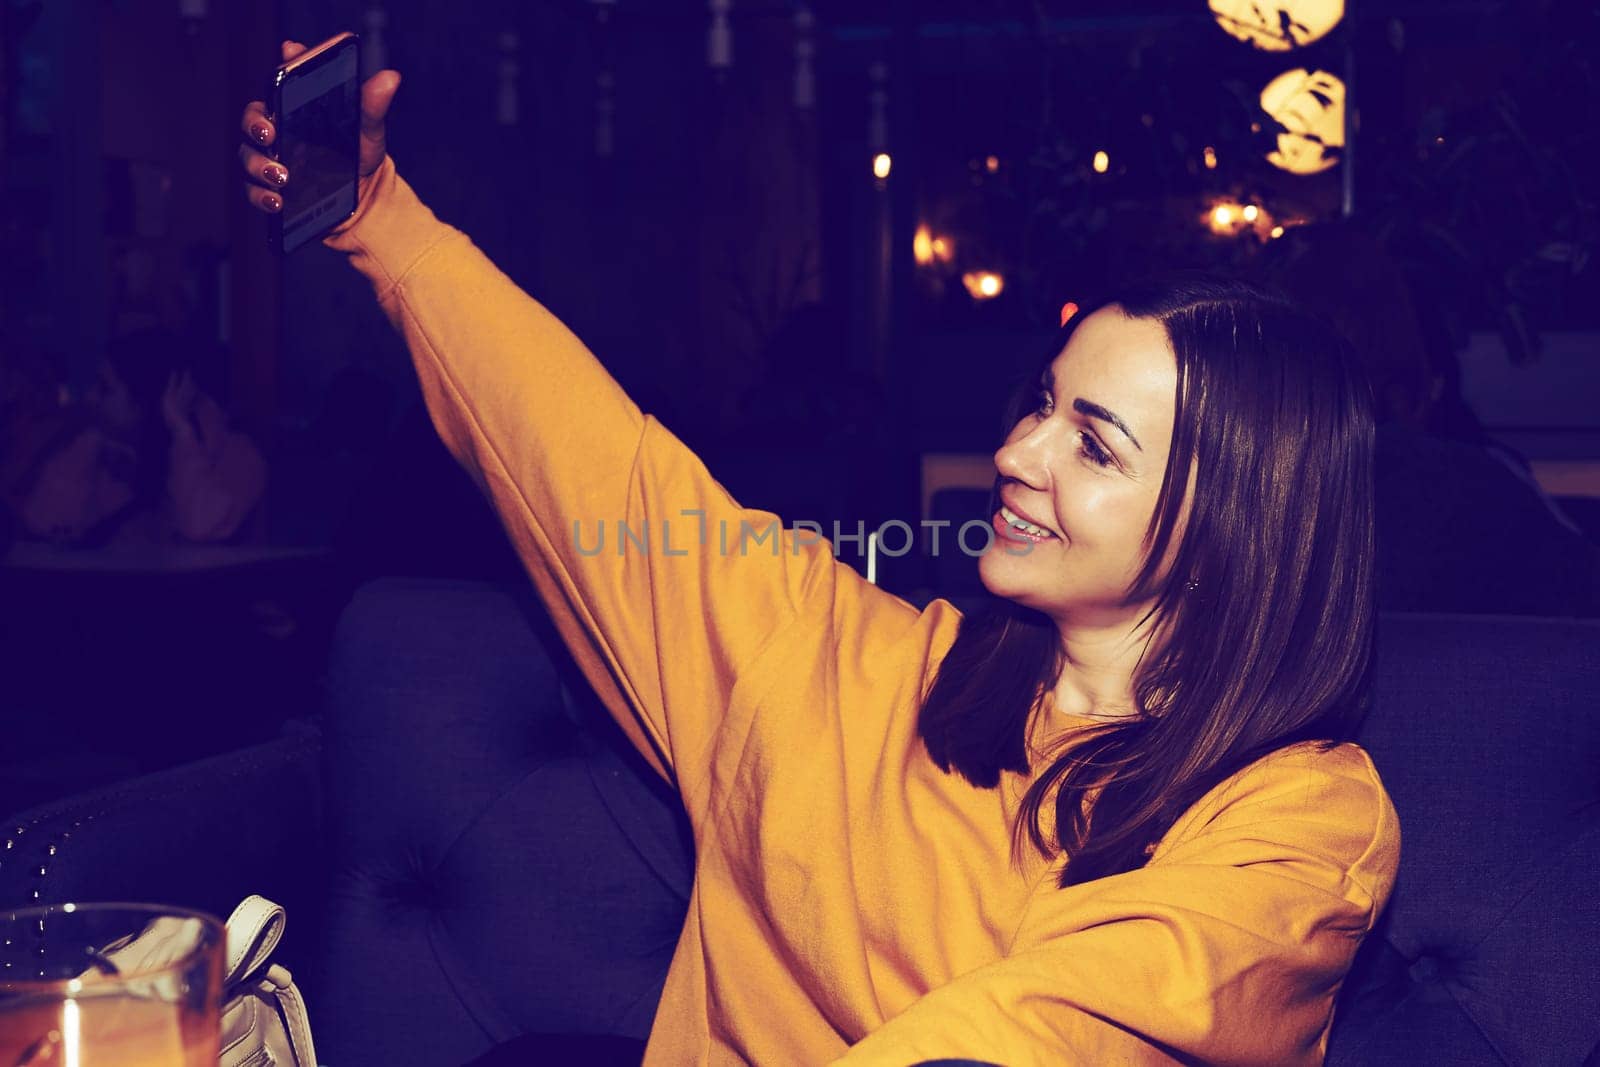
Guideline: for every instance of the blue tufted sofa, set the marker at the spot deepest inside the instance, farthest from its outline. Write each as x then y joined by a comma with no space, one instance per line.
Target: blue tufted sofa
469,851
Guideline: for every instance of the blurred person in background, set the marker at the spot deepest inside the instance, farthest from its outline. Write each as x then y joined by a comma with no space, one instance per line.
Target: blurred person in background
1461,524
146,457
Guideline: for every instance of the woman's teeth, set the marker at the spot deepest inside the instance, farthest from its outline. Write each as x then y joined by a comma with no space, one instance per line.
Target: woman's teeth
1013,520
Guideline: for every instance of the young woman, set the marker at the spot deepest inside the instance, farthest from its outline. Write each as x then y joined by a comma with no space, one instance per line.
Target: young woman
894,860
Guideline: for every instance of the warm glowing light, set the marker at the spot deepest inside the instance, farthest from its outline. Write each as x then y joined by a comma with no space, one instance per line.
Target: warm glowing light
1277,25
983,284
993,163
880,165
928,249
1309,105
1068,310
1227,217
71,1035
1210,157
1277,231
1102,162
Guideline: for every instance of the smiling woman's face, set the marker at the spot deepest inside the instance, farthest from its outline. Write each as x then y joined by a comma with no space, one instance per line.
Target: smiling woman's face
1086,466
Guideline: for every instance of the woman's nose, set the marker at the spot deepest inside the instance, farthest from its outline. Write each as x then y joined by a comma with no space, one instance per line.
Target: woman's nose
1022,459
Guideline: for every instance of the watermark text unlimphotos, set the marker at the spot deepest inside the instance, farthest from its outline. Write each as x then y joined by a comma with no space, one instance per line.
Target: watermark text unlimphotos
667,537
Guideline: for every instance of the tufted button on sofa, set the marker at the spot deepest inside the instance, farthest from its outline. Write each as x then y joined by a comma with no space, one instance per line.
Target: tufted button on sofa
1486,730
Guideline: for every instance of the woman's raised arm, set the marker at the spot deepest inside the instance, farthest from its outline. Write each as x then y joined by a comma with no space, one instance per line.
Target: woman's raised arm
664,588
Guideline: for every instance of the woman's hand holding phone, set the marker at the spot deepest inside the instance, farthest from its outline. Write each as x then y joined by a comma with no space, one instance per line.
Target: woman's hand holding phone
265,175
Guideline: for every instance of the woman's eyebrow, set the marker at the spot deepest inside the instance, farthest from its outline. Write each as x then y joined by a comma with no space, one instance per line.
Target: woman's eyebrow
1047,382
1095,411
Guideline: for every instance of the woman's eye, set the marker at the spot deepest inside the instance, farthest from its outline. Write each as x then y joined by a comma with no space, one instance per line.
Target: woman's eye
1046,404
1097,455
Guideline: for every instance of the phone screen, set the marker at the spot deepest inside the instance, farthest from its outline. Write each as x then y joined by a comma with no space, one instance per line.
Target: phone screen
319,129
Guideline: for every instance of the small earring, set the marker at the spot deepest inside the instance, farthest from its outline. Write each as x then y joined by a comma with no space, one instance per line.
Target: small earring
1192,584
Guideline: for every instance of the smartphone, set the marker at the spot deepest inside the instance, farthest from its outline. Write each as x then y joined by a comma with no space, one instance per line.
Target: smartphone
315,103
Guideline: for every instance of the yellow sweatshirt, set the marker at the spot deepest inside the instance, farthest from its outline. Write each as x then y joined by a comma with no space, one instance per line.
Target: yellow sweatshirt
852,903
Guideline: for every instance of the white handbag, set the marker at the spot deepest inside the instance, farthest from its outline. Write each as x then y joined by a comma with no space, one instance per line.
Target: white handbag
264,1020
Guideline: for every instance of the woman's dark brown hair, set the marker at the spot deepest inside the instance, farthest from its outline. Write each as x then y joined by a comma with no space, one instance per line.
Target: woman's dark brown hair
1273,647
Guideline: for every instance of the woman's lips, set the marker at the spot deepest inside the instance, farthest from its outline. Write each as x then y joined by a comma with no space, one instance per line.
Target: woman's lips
1007,532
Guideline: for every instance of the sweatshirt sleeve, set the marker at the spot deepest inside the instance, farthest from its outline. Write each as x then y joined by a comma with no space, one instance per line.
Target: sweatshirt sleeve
665,590
1228,947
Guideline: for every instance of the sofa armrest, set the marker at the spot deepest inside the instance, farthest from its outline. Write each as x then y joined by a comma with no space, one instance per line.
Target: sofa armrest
204,835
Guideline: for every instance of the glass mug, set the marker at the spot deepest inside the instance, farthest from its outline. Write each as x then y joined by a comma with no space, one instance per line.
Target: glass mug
90,985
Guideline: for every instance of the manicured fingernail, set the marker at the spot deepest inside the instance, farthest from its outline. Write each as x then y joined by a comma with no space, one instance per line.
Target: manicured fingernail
277,175
259,131
272,202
